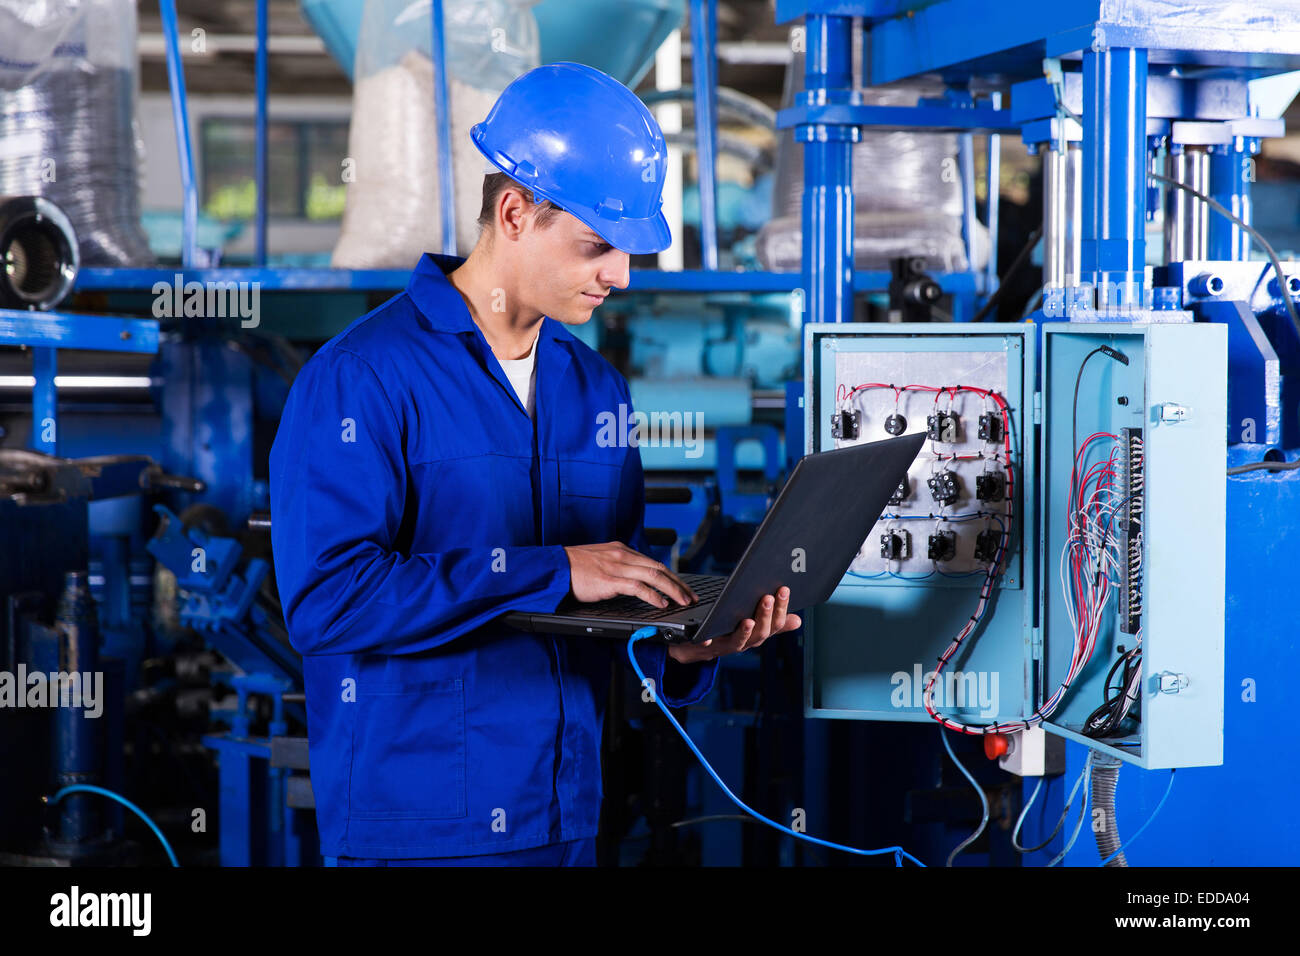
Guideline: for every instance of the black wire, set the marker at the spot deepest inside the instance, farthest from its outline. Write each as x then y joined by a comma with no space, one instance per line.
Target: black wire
1113,706
1265,466
1074,415
1050,837
1021,257
1268,249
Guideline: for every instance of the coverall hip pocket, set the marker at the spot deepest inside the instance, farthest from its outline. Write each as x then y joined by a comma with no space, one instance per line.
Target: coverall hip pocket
408,756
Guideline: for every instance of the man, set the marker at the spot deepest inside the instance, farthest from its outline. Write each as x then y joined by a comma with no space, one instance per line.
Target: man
439,463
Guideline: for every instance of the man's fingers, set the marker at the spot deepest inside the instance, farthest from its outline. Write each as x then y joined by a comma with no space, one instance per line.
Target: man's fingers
762,621
653,573
779,611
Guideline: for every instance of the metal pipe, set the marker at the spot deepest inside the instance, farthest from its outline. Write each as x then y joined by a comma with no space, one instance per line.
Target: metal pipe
263,197
442,105
966,169
827,221
994,193
78,748
1113,245
181,123
1062,208
1186,217
704,78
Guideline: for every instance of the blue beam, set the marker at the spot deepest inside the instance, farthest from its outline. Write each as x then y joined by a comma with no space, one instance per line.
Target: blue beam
939,119
103,333
384,280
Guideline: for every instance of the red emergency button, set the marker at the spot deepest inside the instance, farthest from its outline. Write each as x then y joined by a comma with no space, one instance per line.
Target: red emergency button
995,746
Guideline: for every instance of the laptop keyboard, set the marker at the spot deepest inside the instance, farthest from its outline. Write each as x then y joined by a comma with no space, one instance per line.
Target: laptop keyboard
707,586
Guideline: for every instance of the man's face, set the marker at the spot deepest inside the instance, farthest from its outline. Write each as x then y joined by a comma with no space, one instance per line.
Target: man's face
565,269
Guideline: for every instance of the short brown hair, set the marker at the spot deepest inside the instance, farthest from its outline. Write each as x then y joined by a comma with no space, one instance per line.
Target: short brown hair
494,184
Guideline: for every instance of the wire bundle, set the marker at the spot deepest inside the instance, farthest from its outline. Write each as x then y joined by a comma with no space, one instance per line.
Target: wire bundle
994,567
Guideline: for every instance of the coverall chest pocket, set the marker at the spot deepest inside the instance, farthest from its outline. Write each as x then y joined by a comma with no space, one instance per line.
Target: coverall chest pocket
409,751
589,501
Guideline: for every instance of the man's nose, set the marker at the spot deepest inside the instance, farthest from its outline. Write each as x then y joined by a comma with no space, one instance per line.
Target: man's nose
618,272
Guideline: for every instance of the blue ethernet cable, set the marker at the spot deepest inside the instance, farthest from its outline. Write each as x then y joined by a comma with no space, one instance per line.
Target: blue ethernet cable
1129,841
899,852
88,788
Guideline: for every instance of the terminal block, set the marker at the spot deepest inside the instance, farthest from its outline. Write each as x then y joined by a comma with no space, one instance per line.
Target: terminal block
987,544
896,545
846,424
945,487
1128,519
902,492
991,426
943,426
943,546
990,486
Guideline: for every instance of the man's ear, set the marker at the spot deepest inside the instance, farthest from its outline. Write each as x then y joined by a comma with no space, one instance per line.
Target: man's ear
512,213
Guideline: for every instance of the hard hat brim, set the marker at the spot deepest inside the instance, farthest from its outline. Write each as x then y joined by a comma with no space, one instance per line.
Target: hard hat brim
633,236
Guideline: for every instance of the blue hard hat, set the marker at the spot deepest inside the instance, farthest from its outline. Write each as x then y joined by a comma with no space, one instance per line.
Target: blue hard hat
582,140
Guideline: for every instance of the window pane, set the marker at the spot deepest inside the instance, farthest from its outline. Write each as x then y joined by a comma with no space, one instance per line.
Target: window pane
327,146
228,157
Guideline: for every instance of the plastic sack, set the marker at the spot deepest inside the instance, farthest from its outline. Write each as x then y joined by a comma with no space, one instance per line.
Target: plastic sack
68,126
392,214
907,194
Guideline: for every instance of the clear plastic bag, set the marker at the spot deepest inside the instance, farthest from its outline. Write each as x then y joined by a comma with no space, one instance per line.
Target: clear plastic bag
393,212
68,125
907,196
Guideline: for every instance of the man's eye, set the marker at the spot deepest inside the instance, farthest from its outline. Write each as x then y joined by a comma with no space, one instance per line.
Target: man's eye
599,246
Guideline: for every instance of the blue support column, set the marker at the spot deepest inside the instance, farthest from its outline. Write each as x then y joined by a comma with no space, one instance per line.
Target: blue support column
828,172
263,197
704,78
45,401
1113,246
1232,170
181,124
442,105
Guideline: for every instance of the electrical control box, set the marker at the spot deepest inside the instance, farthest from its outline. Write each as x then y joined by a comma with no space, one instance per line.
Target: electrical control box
1034,568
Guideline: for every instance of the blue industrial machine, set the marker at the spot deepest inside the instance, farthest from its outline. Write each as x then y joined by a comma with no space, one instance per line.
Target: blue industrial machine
1184,359
1126,106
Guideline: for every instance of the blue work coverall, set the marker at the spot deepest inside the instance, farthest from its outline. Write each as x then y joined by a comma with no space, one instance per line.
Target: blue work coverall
414,501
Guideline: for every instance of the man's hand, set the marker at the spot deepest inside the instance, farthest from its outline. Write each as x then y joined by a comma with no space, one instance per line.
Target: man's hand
600,571
770,617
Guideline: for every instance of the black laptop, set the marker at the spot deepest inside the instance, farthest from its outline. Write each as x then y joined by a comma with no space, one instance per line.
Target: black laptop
806,542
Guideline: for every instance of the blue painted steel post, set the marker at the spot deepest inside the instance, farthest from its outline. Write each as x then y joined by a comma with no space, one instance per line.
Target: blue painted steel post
181,123
263,197
1113,246
1232,170
45,401
442,106
704,79
828,171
